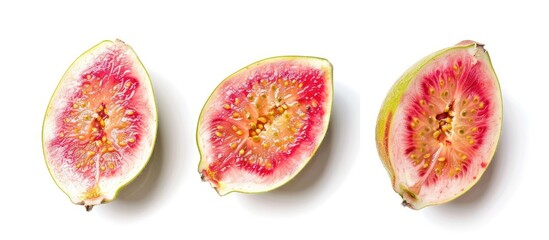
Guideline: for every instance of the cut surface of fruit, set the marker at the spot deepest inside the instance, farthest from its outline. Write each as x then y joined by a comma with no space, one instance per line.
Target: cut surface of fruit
262,124
439,127
100,125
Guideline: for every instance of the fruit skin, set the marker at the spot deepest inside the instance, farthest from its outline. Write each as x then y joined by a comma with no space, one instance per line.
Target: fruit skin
392,102
47,121
219,186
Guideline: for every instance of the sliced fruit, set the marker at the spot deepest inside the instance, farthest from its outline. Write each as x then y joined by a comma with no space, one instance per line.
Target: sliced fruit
100,125
439,126
262,124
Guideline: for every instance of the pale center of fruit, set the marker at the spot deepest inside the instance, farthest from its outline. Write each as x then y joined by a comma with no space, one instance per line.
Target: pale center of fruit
257,127
102,132
264,122
444,120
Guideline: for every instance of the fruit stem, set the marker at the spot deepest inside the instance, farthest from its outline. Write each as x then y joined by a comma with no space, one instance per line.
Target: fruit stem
408,198
88,207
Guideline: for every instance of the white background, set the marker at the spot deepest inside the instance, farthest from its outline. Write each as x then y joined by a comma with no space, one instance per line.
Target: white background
189,47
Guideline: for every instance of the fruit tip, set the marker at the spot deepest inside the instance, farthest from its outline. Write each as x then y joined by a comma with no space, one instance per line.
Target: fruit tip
88,207
469,42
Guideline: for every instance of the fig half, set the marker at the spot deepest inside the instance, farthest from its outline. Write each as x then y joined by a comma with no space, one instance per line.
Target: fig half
100,125
440,124
264,123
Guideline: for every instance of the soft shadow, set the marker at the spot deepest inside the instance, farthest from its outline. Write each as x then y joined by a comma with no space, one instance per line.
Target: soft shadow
137,195
146,190
484,201
482,189
303,188
310,175
325,171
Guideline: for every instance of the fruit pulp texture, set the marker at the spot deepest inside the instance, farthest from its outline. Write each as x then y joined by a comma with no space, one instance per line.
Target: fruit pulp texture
263,120
447,120
101,122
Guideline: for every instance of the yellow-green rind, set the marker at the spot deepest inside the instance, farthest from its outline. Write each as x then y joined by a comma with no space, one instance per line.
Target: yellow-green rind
49,107
329,81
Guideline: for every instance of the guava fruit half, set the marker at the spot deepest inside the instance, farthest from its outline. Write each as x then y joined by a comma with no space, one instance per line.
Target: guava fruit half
440,124
262,124
100,125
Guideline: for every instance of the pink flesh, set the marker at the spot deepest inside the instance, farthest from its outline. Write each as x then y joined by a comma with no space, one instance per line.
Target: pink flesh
110,85
461,87
256,98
